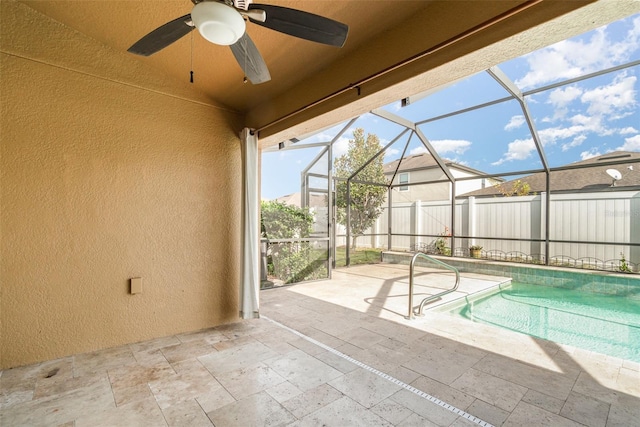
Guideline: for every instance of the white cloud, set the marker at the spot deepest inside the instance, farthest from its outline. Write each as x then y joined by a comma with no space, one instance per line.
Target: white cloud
571,58
601,105
515,122
391,153
593,152
520,149
550,136
548,65
559,98
630,144
457,146
581,119
612,99
628,130
443,146
341,146
576,142
417,150
620,51
460,161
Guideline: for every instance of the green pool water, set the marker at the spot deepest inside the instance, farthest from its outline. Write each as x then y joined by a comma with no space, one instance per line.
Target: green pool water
608,324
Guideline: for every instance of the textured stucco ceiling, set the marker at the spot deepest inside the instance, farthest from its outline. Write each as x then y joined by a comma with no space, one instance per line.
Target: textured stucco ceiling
290,60
382,34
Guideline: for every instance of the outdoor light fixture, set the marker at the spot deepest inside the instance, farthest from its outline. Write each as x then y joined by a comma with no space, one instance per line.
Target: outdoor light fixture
223,22
217,22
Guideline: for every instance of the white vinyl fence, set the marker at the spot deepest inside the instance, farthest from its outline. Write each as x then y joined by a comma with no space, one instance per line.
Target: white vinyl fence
598,218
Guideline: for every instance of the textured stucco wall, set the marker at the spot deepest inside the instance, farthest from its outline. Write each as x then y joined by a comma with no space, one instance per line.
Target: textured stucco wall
107,175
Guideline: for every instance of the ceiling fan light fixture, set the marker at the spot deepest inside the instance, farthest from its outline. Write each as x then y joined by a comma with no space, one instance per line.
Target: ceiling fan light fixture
217,22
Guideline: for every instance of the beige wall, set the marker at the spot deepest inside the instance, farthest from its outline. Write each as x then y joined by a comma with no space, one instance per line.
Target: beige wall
439,191
427,192
107,175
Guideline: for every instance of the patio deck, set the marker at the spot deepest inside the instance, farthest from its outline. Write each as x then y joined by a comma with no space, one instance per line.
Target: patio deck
335,353
381,290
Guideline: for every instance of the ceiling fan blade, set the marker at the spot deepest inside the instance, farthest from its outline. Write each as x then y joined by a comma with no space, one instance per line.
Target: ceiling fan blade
163,36
303,24
250,60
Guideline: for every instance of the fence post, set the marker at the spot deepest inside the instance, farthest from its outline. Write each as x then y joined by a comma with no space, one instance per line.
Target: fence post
472,220
543,226
418,222
389,218
634,228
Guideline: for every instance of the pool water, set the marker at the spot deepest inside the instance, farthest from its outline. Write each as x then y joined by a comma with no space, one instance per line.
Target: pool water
608,324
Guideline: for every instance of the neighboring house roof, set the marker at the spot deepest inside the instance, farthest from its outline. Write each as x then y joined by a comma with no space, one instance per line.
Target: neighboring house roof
315,200
424,161
580,179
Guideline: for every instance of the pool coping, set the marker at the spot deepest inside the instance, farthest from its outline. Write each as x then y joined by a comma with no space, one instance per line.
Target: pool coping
594,281
450,305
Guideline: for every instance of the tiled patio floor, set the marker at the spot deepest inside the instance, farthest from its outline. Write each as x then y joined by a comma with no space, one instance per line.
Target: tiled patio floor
259,373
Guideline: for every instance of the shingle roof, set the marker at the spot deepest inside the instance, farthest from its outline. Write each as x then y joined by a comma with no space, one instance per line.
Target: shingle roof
423,161
584,179
417,161
295,199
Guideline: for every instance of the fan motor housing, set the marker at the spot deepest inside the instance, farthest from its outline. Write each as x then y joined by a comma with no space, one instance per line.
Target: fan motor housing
218,23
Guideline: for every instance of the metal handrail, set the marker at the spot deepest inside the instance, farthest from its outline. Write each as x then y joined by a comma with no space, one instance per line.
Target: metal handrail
432,297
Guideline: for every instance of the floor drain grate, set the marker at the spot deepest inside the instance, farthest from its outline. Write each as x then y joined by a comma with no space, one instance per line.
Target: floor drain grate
402,384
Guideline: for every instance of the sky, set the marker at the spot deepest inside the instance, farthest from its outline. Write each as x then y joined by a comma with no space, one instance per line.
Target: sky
574,122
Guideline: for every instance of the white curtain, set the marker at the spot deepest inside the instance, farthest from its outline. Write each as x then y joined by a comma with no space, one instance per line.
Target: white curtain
250,286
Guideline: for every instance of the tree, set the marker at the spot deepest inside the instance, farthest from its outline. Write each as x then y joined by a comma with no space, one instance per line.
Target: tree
366,199
282,221
291,261
516,188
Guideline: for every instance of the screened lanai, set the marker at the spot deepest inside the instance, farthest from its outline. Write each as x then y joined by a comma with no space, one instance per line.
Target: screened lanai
535,160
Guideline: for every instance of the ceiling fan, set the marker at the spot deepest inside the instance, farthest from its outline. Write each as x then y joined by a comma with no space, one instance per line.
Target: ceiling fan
223,22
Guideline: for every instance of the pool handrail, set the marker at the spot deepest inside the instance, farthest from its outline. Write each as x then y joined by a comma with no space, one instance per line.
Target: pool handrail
432,297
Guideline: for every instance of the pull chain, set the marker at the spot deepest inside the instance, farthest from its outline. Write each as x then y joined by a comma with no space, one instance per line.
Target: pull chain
244,80
191,72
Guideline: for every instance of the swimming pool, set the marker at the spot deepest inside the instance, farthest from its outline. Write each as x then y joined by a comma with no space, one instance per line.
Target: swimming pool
608,324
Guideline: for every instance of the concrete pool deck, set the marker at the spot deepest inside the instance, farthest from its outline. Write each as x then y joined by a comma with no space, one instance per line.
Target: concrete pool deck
499,376
382,289
335,353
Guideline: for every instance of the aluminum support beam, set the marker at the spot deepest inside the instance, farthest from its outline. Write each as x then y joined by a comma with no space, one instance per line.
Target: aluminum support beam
513,90
435,156
510,87
410,125
348,243
375,156
384,114
331,250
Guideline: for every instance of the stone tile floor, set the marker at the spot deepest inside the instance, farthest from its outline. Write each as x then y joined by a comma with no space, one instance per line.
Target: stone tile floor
258,372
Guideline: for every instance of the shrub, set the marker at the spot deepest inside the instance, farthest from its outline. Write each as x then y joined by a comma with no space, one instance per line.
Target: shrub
291,261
